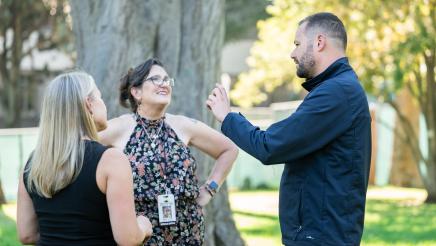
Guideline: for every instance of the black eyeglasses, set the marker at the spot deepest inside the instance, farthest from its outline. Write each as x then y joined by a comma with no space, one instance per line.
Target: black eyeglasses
159,81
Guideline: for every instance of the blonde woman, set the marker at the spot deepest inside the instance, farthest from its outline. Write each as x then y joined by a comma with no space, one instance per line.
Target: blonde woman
75,191
157,145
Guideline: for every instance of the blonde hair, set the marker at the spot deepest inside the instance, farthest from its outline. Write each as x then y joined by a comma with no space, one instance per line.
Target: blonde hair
65,120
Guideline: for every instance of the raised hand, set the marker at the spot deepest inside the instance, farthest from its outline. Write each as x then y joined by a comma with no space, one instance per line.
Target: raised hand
219,103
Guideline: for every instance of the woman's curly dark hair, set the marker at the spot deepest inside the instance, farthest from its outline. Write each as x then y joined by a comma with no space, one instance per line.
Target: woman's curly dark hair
135,78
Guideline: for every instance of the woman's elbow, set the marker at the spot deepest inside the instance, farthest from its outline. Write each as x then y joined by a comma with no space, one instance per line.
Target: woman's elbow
234,150
128,240
28,238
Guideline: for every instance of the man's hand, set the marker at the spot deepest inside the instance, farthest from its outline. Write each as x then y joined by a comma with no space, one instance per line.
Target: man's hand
219,103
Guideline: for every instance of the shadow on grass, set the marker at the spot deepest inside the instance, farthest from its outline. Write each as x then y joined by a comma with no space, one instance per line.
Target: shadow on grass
394,222
387,222
256,215
8,232
266,225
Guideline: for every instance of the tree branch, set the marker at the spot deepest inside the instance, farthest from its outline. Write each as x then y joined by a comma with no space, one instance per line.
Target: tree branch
410,134
431,88
422,96
397,132
413,91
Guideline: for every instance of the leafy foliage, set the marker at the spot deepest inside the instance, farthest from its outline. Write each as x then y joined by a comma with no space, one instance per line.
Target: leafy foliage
391,45
386,44
27,26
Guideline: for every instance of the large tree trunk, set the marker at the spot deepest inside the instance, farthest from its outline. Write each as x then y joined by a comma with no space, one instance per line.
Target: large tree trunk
430,180
429,177
187,36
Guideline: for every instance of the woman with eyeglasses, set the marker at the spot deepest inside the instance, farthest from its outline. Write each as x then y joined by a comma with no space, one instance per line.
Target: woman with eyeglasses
75,191
157,145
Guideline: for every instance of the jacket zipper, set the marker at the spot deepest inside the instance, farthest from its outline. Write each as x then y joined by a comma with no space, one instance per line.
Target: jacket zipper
300,207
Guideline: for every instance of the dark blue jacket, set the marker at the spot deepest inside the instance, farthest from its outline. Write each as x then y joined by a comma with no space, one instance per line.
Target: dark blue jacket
326,148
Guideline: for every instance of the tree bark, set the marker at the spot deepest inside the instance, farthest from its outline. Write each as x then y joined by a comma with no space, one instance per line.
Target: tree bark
187,36
430,116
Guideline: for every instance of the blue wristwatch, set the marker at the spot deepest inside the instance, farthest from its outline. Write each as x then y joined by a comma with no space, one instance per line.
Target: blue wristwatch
212,187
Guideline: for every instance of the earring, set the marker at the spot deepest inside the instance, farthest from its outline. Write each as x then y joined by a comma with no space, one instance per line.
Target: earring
138,104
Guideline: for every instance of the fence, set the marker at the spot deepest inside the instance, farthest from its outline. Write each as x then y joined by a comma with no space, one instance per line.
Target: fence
16,145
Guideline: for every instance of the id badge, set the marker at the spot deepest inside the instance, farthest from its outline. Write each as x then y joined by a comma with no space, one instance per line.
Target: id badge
167,209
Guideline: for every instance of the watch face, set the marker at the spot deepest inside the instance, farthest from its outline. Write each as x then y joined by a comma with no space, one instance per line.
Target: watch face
213,185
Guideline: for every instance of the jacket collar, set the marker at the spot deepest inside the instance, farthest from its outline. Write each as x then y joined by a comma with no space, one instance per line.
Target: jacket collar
334,69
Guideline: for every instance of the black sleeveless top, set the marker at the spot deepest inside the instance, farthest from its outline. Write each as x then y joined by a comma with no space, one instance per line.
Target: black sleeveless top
78,214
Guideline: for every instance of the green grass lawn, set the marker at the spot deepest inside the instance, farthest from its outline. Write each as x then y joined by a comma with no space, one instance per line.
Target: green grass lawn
394,216
8,233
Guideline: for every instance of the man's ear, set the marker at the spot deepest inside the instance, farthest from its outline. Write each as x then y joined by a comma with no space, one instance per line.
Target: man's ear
321,42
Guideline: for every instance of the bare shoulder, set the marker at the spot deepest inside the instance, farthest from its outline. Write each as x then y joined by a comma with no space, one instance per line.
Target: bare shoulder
185,127
117,124
120,120
113,159
116,129
113,153
181,121
113,166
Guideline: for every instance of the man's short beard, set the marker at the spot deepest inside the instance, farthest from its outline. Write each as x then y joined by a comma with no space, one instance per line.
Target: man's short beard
306,64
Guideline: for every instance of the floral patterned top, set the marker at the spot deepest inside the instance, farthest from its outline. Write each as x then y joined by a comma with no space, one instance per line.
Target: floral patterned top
161,162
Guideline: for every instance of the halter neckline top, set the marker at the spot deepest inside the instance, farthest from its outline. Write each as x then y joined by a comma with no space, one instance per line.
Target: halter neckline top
162,163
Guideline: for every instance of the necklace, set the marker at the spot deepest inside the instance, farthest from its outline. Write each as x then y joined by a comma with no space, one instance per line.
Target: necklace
152,139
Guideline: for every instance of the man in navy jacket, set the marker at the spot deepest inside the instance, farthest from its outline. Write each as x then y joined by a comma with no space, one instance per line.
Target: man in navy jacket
325,144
